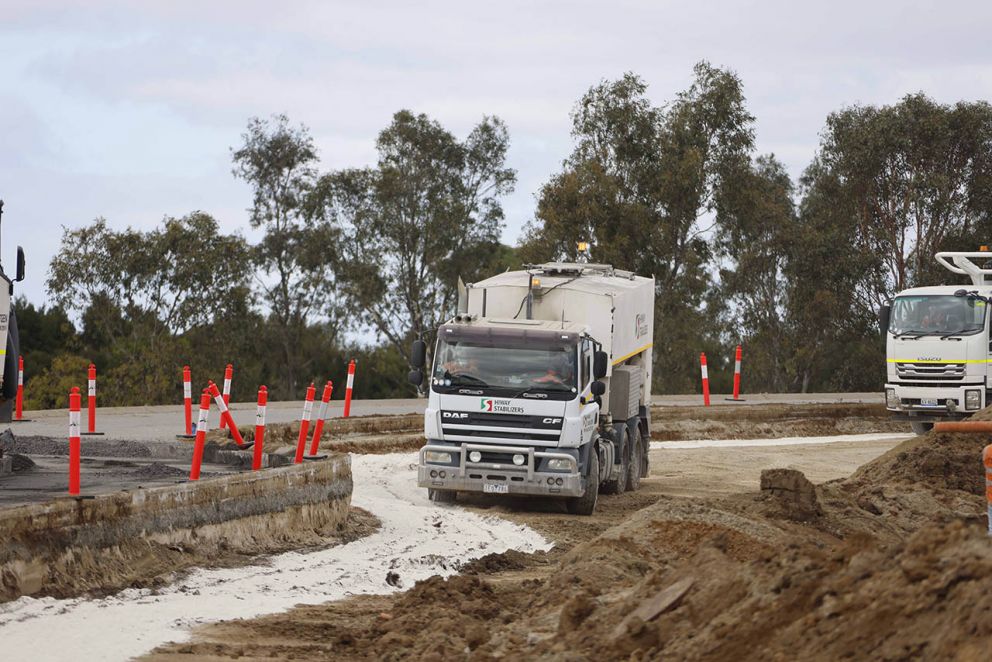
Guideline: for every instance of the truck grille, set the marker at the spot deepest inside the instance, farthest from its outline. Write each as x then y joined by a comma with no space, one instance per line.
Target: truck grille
478,426
930,372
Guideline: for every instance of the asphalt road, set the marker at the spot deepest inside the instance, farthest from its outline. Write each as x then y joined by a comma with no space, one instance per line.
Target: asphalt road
163,423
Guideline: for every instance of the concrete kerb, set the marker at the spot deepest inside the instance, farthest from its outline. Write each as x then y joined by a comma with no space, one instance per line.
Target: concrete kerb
43,544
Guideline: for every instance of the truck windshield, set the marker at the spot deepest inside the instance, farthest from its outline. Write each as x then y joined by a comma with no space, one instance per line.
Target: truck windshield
940,315
461,363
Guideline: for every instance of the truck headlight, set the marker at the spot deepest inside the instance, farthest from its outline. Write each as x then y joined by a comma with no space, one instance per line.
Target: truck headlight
559,464
891,401
437,457
973,400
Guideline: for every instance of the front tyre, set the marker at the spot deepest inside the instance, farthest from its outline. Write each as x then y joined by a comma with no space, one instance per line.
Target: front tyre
920,428
441,496
586,504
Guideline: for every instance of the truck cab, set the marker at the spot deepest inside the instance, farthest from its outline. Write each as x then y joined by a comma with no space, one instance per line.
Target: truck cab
937,346
539,387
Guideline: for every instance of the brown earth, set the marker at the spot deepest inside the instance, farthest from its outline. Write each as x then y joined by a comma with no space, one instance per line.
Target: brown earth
892,562
148,563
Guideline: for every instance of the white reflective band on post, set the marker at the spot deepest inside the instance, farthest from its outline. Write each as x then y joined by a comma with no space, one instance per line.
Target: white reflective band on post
322,412
92,387
187,390
351,379
260,415
737,366
73,424
201,422
219,399
20,378
307,409
227,387
706,372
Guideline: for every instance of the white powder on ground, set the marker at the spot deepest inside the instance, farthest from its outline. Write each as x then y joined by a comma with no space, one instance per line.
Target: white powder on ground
783,441
418,539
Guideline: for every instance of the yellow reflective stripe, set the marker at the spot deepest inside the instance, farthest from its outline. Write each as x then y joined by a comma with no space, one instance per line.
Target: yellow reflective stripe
941,361
636,351
2,352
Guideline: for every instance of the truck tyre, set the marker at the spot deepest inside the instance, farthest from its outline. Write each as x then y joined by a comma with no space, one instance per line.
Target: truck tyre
920,428
636,461
586,504
441,496
619,484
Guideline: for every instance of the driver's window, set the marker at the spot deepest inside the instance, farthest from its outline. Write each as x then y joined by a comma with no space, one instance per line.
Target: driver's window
586,363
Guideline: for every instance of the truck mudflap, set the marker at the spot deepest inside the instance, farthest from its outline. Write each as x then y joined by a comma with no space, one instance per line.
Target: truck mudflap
500,478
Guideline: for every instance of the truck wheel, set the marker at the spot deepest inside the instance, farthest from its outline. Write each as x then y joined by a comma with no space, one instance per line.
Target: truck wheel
619,484
636,462
920,428
586,504
441,496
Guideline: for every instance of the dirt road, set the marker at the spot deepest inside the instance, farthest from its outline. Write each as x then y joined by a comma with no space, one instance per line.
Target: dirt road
321,630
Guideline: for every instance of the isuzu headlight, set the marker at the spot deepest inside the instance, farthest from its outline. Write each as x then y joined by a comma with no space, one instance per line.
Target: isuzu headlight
891,401
973,400
559,464
437,457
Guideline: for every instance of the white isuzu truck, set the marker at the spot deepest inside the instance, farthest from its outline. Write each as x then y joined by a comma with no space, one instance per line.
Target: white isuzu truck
938,347
540,386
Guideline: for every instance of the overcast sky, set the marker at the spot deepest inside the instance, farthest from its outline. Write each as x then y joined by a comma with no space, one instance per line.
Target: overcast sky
127,110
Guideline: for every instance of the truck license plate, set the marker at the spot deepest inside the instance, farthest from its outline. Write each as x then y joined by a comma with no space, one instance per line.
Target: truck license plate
928,402
495,488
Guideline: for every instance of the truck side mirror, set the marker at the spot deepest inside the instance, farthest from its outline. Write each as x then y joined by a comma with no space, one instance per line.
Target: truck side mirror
20,265
883,318
418,354
597,388
416,377
599,364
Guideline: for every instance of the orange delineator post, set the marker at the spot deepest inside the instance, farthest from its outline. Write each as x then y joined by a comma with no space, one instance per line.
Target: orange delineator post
75,400
19,402
348,387
228,376
263,399
91,401
318,426
225,413
202,424
706,378
305,423
737,373
188,399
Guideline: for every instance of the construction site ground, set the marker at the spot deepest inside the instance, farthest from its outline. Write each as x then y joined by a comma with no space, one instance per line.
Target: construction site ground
777,530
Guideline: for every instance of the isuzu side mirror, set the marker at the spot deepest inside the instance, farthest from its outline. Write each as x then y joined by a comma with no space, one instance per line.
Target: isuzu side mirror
883,318
599,364
418,354
416,377
20,265
597,388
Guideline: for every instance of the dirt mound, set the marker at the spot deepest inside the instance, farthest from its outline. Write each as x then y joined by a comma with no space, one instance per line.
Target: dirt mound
493,563
890,563
158,470
937,461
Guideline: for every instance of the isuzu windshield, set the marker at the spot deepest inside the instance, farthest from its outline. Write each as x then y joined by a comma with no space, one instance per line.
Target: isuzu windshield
937,315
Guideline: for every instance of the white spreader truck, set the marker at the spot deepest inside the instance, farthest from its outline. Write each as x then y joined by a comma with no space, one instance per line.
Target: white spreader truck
938,348
540,386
